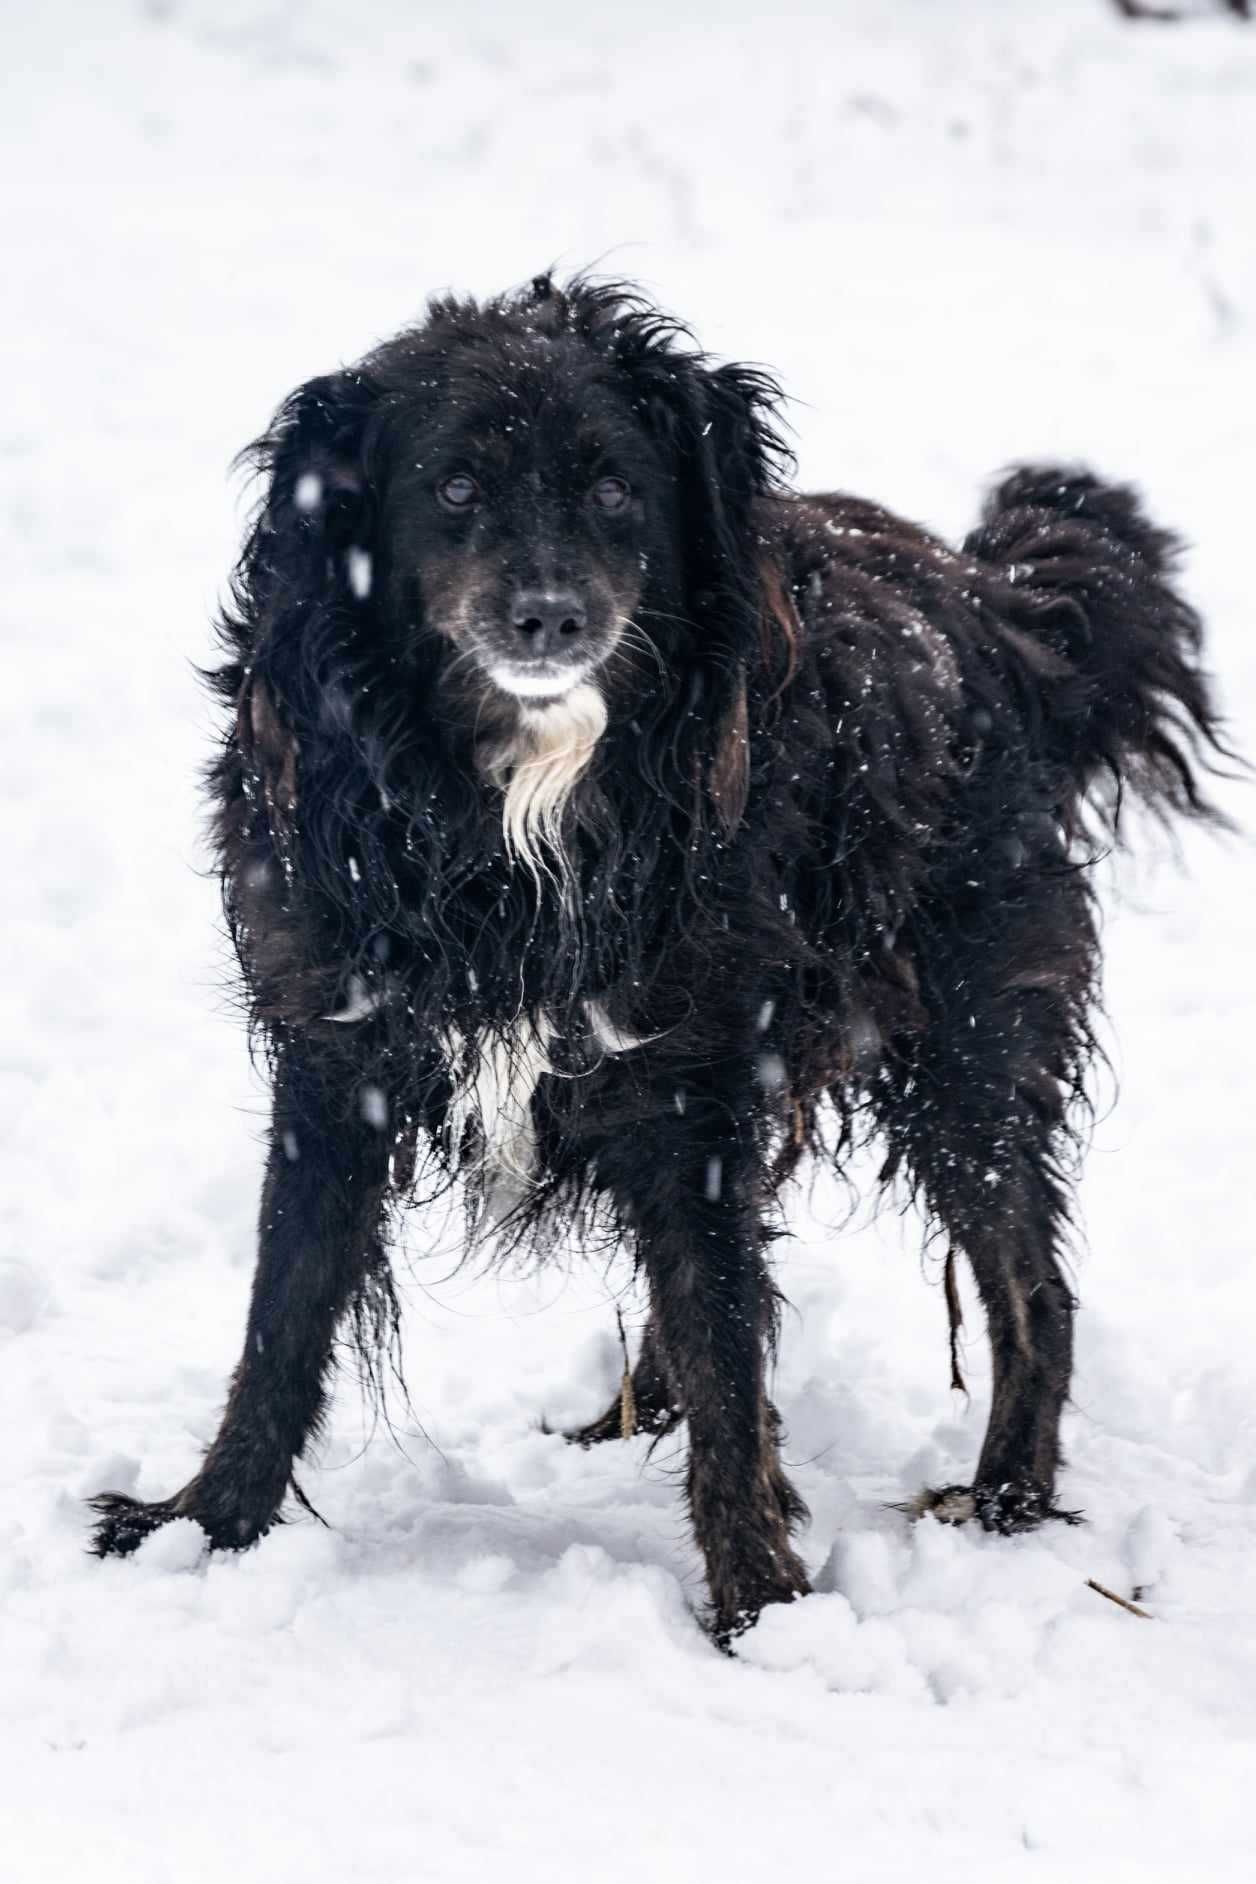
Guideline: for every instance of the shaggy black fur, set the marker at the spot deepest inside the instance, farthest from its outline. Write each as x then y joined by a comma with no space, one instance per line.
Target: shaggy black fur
827,855
1140,10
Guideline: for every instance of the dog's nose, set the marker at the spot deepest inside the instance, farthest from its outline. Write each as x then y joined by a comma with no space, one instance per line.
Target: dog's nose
549,619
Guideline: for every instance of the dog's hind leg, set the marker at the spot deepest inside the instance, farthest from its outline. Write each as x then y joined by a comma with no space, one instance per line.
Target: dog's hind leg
1011,1246
976,1114
655,1403
691,1194
657,1408
318,1243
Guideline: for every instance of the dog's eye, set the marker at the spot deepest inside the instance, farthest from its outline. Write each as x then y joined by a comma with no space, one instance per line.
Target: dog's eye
610,493
458,492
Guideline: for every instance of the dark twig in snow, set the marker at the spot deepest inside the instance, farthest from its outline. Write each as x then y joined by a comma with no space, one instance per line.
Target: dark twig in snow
1121,1602
627,1398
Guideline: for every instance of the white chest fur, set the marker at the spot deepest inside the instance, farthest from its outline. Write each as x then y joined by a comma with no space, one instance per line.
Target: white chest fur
494,1078
539,768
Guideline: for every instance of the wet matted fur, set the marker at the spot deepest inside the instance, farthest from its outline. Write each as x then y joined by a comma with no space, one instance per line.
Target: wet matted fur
595,813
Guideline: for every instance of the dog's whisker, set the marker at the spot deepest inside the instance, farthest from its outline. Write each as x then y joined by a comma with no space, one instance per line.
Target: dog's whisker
634,637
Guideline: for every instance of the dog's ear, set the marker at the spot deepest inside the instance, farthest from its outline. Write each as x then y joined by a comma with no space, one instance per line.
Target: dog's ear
317,455
305,566
311,544
717,426
728,773
269,751
716,423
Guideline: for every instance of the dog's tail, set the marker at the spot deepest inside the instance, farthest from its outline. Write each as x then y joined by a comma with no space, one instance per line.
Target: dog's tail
1107,649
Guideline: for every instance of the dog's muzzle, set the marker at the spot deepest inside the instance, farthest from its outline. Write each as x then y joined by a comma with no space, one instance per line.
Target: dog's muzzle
546,653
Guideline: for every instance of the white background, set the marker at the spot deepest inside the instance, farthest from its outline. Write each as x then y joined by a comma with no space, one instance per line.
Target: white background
963,234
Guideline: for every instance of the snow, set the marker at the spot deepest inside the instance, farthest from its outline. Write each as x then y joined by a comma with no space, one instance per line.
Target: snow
307,493
360,572
963,235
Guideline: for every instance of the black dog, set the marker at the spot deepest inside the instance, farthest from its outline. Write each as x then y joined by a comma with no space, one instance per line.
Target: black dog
594,812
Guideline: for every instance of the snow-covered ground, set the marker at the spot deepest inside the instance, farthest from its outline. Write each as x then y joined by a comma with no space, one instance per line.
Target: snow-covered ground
963,233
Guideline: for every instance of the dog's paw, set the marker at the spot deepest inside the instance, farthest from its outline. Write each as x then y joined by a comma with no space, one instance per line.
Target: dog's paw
725,1625
782,1579
1007,1508
123,1523
646,1416
597,1432
229,1521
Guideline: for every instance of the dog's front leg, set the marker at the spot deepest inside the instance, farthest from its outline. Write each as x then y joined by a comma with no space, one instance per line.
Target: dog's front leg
318,1240
691,1191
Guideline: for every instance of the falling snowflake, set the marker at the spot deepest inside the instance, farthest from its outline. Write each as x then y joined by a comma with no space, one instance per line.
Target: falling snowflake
770,1071
359,570
308,494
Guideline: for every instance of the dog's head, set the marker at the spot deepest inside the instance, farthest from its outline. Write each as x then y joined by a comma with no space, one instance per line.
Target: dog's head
522,495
